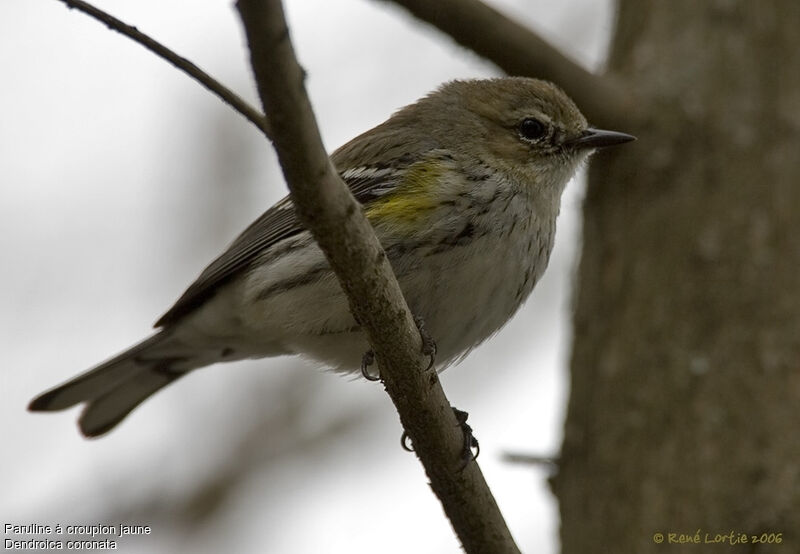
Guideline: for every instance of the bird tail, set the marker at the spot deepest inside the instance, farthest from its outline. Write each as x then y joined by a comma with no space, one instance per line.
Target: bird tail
114,388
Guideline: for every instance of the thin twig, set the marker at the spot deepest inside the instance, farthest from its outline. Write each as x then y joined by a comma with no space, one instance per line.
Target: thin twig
551,462
223,92
327,208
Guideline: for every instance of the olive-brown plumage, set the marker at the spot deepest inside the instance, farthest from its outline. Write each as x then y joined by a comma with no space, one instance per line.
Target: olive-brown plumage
462,188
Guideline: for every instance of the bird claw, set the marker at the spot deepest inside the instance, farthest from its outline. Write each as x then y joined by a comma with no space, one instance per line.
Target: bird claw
428,348
367,360
404,442
470,441
428,344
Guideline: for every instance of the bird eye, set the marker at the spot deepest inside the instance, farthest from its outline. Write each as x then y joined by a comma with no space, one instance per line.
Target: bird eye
531,129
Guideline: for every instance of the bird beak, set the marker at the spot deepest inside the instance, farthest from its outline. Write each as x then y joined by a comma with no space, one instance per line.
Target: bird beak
598,138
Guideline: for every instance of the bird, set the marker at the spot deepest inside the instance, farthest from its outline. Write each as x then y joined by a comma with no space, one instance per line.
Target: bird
462,188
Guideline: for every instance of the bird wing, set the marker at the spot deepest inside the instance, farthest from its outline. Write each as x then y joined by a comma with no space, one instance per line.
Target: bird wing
280,222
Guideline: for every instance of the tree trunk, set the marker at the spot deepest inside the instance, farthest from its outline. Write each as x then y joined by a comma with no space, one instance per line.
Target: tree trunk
685,406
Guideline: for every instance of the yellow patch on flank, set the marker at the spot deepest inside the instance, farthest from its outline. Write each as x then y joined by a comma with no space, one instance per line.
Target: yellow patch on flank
412,199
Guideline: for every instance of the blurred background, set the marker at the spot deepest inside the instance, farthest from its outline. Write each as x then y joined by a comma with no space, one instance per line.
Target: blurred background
120,178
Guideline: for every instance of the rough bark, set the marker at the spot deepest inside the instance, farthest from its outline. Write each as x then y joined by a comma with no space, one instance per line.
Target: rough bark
685,402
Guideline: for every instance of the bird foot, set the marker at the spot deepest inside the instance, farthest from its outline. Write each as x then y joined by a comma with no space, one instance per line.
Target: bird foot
428,348
428,344
367,360
470,441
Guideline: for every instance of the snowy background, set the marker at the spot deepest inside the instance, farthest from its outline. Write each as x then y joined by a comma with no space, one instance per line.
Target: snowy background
120,178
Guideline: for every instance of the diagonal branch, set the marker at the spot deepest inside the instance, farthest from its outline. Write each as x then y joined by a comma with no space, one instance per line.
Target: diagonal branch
327,208
519,51
224,93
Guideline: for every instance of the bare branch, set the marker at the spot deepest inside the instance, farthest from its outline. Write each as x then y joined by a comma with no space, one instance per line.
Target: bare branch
549,462
327,208
519,51
224,93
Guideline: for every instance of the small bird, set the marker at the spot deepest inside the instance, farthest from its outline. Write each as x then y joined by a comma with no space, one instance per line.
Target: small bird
462,188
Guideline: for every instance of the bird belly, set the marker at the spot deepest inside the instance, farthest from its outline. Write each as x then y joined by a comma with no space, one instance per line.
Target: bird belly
464,290
466,294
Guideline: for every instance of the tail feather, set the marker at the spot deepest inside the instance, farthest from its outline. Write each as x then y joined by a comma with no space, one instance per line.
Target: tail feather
104,412
114,388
